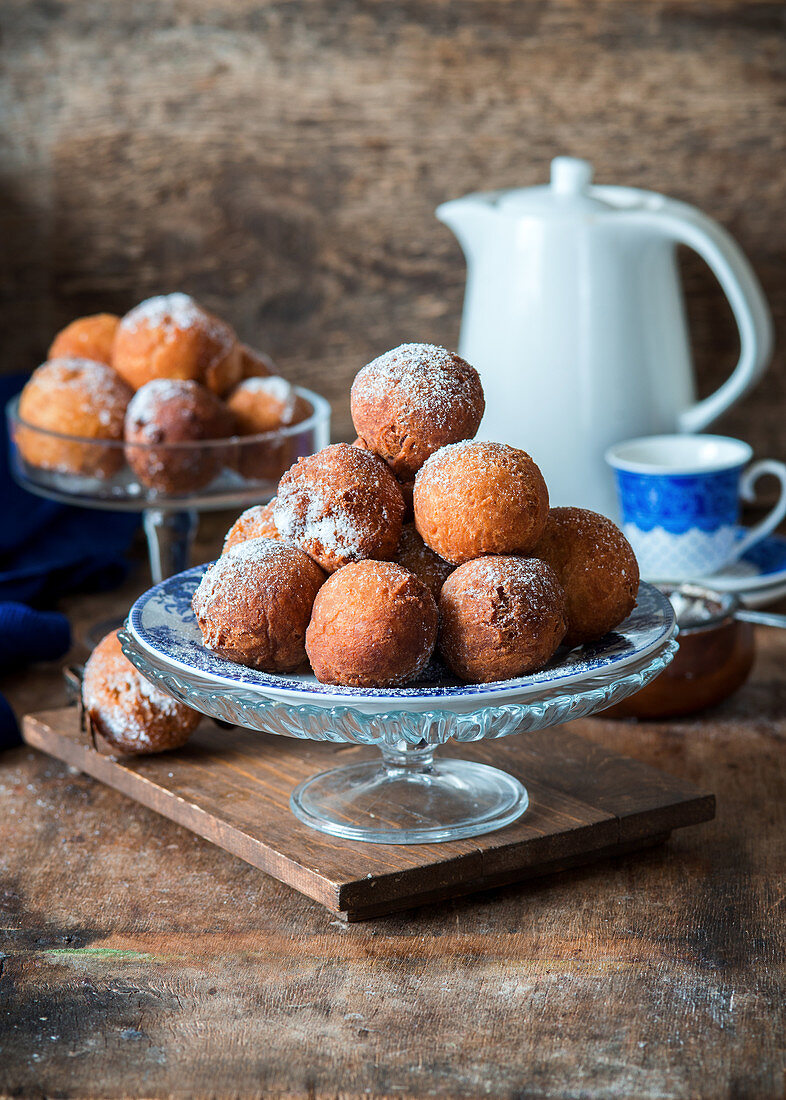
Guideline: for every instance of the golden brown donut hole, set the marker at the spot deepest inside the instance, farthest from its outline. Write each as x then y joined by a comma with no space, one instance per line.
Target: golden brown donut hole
253,605
374,624
254,364
171,336
262,405
340,505
480,498
597,568
407,487
421,560
169,411
77,397
413,400
128,711
255,523
500,617
86,338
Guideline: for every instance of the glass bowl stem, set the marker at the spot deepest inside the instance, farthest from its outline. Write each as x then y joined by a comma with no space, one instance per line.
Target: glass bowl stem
170,536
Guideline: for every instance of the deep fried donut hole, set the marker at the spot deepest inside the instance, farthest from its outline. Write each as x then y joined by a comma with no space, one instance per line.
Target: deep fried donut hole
597,568
500,617
407,487
480,498
253,605
374,624
171,336
86,338
413,400
421,560
267,405
169,411
340,505
255,364
255,523
126,710
77,397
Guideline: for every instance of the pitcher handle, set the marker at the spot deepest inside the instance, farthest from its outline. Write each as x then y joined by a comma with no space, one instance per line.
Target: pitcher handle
687,225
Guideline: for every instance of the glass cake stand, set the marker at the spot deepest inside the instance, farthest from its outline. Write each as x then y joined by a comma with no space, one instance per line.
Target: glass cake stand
212,475
406,796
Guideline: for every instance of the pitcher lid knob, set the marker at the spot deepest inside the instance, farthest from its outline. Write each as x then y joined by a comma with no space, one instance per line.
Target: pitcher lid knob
570,176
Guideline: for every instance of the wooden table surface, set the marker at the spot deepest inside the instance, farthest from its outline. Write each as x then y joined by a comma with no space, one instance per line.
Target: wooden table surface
137,959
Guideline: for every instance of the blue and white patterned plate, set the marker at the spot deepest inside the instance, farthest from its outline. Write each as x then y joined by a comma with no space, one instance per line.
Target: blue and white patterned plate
763,566
162,624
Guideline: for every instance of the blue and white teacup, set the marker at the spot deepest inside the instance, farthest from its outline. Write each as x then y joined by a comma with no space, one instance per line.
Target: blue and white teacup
680,497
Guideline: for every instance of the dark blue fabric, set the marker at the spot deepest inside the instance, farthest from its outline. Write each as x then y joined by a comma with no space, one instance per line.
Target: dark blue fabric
9,730
47,550
30,635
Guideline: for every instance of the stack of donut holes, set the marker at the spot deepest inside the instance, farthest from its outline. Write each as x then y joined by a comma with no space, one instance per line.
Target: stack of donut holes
169,372
414,538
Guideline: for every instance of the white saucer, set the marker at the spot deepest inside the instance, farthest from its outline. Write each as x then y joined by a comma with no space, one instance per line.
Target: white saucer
759,573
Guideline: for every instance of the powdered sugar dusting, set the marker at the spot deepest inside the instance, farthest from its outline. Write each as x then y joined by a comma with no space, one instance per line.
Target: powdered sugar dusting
276,388
129,710
178,311
146,403
492,576
96,379
439,467
246,555
337,531
255,522
173,313
101,391
424,377
340,505
245,570
248,603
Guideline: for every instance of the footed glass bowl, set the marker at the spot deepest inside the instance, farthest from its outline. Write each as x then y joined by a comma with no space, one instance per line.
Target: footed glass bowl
202,476
407,797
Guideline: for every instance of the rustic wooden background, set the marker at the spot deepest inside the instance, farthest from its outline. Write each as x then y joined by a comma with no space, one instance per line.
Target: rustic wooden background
281,159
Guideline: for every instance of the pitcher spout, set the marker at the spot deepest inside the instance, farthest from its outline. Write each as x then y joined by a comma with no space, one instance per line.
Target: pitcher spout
470,218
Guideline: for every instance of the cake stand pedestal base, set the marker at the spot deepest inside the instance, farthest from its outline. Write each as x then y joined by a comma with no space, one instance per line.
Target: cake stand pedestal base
409,798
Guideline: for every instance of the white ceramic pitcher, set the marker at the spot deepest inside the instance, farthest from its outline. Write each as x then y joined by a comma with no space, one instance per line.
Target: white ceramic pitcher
574,317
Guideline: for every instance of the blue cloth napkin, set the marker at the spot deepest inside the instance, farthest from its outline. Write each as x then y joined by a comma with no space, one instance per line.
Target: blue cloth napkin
47,550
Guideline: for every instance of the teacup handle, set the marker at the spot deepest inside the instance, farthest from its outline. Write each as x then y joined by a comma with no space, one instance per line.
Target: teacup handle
748,492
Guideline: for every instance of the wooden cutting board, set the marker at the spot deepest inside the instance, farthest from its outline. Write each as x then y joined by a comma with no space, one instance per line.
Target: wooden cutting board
233,786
